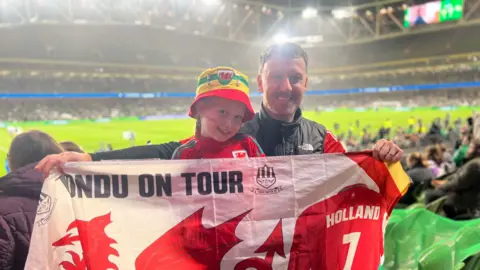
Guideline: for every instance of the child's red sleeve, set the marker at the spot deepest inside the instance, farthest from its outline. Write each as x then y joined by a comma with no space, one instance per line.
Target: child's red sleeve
254,149
184,141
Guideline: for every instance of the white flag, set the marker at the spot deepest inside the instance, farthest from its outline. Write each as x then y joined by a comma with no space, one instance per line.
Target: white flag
298,212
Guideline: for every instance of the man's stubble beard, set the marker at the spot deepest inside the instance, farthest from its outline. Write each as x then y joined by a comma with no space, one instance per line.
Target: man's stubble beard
282,114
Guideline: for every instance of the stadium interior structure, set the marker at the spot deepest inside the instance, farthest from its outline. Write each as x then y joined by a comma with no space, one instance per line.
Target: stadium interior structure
55,46
104,60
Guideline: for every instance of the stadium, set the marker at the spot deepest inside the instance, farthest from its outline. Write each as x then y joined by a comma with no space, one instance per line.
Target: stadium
108,75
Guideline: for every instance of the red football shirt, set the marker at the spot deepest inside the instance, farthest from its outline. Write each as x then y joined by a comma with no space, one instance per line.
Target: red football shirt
239,146
332,145
345,231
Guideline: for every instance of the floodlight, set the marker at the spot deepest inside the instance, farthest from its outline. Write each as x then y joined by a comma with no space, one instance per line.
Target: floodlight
280,38
211,2
170,27
309,13
342,13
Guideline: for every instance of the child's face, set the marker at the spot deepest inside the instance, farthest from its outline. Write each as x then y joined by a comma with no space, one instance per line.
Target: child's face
220,118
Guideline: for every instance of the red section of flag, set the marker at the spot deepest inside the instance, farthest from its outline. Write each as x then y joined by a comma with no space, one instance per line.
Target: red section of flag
273,244
96,245
189,245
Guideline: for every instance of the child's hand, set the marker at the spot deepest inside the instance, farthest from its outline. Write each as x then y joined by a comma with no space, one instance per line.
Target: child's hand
58,160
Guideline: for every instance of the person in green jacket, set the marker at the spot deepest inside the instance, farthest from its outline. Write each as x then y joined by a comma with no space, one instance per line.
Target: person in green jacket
461,153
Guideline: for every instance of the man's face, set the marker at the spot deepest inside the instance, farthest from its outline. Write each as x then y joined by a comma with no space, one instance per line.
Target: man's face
283,82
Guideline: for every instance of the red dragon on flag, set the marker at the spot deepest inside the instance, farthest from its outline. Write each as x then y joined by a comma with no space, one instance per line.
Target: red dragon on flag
189,245
96,245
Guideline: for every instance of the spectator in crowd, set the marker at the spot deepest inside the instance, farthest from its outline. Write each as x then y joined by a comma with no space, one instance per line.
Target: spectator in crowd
20,194
446,155
473,152
434,134
462,192
279,127
435,160
421,175
447,163
71,147
461,152
108,147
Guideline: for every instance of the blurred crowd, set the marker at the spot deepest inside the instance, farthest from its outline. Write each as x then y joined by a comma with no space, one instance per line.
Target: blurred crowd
444,177
429,98
74,109
417,134
442,159
92,85
69,109
465,74
77,83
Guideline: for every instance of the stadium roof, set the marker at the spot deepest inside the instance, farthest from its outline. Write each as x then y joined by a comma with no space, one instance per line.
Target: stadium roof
311,23
310,3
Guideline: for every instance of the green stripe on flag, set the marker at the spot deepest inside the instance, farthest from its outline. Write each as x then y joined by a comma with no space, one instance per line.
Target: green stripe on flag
214,77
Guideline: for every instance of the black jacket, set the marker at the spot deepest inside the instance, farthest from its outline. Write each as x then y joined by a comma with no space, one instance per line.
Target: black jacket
19,196
275,137
300,137
421,175
463,192
421,178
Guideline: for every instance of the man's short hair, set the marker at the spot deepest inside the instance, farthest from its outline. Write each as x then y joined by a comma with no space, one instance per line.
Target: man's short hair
287,50
29,147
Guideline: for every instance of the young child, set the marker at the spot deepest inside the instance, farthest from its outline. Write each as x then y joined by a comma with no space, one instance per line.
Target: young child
220,107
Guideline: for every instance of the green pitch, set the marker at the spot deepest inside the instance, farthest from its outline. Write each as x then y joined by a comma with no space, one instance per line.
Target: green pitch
91,135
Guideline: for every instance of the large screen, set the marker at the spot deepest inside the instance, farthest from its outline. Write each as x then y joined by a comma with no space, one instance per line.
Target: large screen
451,10
433,12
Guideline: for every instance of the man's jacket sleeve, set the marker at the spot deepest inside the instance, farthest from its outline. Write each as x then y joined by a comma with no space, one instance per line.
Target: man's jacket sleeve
161,151
331,144
462,180
7,245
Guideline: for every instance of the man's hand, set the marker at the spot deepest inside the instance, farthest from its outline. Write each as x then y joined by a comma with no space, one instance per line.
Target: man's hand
387,151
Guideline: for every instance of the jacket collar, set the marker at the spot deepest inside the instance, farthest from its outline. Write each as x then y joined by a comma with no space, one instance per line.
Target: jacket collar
25,182
265,118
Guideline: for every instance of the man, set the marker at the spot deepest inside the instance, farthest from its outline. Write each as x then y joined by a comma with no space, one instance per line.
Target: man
279,127
20,194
